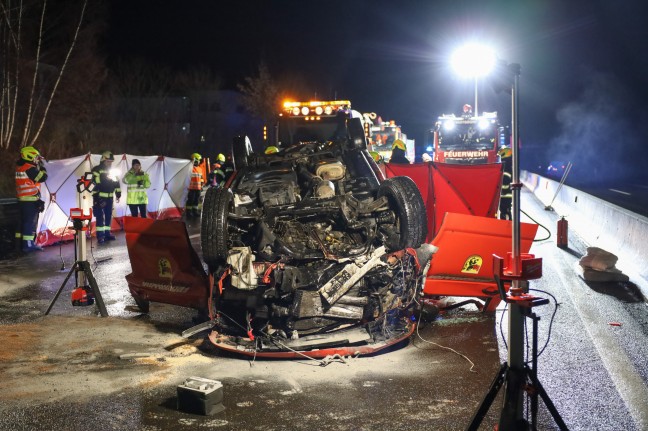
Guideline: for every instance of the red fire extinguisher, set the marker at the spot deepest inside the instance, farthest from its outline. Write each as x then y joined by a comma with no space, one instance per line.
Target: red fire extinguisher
561,236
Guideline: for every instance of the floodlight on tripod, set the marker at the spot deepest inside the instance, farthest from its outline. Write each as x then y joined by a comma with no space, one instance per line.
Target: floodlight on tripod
515,375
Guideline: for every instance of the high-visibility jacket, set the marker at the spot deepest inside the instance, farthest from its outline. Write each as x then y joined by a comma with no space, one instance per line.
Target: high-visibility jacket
136,186
28,180
105,186
196,182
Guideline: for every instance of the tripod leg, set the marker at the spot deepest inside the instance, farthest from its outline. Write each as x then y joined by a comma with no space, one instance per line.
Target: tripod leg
550,405
489,398
95,288
58,292
511,416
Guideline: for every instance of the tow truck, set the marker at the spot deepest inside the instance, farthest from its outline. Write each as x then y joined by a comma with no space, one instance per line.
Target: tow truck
468,139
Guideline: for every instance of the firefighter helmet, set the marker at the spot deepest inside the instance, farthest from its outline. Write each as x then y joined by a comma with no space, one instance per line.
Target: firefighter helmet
221,157
505,152
29,153
399,144
467,109
426,157
375,155
196,156
107,155
271,150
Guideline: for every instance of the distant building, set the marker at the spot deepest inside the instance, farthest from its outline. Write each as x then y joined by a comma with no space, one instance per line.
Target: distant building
203,121
216,117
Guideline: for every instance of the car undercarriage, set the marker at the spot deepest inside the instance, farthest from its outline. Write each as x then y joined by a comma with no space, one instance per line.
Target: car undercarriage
310,248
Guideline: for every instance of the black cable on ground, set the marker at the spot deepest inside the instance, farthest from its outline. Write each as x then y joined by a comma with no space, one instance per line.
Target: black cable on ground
539,224
553,315
60,241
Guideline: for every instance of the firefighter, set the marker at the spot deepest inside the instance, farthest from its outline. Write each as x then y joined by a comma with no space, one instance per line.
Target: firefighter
506,195
226,166
216,177
30,173
137,181
196,183
106,188
398,152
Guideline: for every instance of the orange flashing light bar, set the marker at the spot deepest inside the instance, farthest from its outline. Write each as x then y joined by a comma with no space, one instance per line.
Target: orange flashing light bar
316,107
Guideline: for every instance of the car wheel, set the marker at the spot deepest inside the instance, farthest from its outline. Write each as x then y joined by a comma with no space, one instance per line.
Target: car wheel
214,232
241,150
410,227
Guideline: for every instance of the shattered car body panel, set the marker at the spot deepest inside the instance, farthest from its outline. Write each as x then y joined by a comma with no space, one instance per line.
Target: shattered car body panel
311,250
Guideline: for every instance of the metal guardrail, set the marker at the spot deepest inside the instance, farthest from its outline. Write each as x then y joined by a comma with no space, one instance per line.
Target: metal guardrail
9,221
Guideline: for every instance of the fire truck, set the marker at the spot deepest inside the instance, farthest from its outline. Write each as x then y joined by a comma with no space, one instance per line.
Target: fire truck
382,134
468,139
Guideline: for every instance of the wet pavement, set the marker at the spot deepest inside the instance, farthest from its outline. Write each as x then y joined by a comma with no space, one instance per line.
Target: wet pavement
74,370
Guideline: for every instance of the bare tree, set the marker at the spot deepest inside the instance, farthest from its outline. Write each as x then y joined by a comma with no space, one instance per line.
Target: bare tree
29,84
147,111
197,79
261,94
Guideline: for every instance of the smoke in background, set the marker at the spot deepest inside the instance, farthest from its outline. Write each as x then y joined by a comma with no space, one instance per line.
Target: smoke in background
602,133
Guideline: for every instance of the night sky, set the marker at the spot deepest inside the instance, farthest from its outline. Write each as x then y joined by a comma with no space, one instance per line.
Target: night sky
584,63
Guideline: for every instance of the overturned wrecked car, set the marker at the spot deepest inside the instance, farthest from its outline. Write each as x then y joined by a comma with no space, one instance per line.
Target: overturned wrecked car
310,251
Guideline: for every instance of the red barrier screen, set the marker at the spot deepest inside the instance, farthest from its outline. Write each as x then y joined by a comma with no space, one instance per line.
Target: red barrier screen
451,188
463,265
165,266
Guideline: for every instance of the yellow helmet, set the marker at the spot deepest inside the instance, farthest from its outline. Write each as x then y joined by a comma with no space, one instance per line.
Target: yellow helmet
107,155
271,150
196,156
399,144
505,152
376,156
221,157
29,153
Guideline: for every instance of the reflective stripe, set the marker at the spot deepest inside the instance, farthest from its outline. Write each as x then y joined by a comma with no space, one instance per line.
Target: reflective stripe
506,185
39,176
26,188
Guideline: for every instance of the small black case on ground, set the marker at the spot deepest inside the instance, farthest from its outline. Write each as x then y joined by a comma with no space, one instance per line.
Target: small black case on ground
200,396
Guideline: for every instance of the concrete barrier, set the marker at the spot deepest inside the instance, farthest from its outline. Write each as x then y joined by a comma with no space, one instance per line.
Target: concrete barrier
9,222
599,224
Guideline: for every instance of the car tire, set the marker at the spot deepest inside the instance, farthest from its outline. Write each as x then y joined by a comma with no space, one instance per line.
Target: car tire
241,151
405,200
214,234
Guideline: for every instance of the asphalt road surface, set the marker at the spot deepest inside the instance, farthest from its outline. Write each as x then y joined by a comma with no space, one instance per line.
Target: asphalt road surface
74,370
